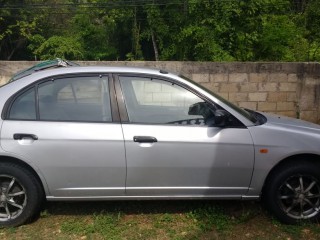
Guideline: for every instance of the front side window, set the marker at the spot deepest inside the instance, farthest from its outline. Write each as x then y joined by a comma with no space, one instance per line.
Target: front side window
160,102
69,99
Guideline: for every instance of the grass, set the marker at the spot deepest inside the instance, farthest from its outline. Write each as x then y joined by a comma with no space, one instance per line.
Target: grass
158,220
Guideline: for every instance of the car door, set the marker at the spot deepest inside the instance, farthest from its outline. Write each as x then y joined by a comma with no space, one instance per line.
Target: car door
174,150
65,128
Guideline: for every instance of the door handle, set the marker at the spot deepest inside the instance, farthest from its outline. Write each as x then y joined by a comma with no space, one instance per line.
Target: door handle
20,136
144,139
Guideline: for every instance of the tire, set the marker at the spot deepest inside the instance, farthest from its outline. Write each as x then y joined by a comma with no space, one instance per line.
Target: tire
21,195
292,193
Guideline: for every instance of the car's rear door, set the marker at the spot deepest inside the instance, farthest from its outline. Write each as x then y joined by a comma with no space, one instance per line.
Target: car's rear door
172,152
67,127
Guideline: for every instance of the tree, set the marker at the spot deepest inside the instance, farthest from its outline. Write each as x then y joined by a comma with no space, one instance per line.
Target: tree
60,47
312,20
187,30
16,28
280,39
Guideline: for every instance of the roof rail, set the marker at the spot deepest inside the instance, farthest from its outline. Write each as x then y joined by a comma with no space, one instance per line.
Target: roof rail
43,66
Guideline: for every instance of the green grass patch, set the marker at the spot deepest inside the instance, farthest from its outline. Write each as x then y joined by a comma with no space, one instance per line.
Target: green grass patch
210,217
161,220
106,225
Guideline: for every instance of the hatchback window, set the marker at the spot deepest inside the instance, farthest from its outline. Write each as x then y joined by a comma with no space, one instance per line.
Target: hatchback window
161,102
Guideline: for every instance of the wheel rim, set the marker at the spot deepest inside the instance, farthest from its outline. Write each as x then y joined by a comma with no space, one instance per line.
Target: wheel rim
13,198
299,197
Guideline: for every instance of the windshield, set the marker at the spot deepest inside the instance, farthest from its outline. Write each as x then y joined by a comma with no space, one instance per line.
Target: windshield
247,114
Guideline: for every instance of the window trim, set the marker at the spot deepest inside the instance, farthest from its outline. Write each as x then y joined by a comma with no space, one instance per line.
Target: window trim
12,99
8,105
123,106
124,117
113,100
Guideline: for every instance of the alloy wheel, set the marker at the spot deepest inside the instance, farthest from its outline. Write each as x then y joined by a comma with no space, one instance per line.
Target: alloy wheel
299,197
13,198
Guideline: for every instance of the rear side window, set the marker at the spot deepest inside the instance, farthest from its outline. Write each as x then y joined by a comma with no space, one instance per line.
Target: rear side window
84,99
24,106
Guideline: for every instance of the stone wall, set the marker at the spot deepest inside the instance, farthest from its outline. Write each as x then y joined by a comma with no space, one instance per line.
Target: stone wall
290,89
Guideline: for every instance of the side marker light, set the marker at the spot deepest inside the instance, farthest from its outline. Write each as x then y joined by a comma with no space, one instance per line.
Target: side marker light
264,150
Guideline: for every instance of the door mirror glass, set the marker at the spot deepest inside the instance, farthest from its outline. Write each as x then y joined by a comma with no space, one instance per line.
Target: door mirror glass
221,117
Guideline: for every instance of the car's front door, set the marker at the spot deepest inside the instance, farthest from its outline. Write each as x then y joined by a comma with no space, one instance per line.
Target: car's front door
64,128
173,147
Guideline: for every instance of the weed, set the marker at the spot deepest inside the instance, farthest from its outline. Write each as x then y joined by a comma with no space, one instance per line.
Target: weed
44,214
209,217
292,230
315,228
76,226
12,230
166,218
107,225
245,216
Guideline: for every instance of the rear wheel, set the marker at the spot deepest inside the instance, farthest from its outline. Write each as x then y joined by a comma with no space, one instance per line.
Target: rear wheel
293,193
20,195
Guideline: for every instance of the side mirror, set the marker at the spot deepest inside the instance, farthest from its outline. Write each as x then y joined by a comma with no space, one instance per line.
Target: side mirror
213,118
200,108
220,118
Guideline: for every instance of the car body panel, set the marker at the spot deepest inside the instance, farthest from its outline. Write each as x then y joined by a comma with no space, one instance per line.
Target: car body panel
283,137
188,160
77,159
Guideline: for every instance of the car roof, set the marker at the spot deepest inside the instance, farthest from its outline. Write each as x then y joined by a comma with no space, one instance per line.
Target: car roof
96,69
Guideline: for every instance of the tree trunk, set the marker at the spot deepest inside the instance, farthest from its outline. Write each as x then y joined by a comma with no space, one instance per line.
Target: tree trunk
155,47
16,46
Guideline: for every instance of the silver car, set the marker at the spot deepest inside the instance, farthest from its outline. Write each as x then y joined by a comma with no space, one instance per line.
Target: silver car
107,133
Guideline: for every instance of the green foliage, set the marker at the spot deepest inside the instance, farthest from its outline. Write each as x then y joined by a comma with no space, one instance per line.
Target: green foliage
60,47
280,39
312,18
190,30
314,51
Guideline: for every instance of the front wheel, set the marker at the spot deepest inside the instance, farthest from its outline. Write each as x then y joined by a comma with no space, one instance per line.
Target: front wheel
20,195
292,193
